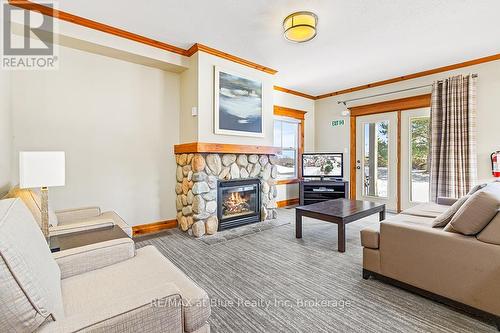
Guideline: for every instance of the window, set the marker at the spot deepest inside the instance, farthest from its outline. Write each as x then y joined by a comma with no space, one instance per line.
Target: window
286,132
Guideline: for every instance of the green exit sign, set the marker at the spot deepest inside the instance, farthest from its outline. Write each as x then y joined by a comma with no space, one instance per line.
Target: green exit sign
336,123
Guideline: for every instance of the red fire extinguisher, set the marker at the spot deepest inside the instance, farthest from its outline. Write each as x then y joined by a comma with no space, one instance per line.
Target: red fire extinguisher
495,163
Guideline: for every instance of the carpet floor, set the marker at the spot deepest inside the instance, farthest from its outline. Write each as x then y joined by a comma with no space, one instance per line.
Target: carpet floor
269,281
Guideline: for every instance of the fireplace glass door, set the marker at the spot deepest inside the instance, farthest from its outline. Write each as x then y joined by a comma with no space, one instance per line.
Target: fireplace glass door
239,202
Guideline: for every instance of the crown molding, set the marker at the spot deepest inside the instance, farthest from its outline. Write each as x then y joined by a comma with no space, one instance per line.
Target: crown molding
294,92
207,49
78,20
413,76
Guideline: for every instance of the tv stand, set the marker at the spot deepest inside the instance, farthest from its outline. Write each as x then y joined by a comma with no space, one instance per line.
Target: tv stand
323,189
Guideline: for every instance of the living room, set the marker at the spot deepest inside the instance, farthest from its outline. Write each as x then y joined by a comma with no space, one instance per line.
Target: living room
194,161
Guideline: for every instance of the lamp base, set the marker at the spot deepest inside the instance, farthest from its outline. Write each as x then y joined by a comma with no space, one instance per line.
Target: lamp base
44,195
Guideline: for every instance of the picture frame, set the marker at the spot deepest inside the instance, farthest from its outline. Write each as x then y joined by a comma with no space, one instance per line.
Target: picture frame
238,107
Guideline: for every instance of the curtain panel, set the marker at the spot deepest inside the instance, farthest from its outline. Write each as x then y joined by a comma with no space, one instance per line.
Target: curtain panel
453,137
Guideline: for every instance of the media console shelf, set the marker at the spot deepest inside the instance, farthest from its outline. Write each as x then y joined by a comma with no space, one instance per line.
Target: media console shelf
313,191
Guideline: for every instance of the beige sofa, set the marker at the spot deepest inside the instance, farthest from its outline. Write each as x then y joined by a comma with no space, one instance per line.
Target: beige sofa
68,220
105,287
458,270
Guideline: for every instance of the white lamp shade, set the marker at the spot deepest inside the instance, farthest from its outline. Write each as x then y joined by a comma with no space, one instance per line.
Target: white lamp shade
41,169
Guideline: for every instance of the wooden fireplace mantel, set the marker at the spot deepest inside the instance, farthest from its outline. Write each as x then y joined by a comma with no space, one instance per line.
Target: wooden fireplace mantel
223,148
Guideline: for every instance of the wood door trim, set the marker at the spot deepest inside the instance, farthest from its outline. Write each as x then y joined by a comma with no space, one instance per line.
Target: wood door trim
352,154
407,103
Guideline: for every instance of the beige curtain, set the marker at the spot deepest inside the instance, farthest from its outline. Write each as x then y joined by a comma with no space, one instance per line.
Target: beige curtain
453,137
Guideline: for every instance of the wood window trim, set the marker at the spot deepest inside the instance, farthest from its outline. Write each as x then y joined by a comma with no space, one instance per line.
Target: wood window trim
396,105
300,116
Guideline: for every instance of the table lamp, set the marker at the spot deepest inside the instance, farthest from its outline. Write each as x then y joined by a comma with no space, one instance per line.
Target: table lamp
42,169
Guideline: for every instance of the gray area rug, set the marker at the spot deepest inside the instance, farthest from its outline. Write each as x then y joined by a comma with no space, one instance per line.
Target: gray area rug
269,281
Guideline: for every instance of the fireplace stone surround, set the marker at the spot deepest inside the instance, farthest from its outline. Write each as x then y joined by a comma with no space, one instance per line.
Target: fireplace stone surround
198,175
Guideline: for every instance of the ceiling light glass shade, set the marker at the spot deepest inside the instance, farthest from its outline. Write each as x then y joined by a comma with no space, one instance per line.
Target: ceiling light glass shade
300,27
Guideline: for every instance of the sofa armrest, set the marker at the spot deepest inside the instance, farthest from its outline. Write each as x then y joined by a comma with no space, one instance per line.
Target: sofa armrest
68,215
80,226
156,308
94,256
370,238
446,201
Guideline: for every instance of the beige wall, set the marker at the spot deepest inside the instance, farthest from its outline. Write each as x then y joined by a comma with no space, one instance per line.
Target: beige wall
5,131
330,138
291,191
189,99
116,121
206,63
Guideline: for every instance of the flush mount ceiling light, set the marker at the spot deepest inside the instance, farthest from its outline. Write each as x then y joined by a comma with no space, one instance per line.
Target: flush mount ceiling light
300,27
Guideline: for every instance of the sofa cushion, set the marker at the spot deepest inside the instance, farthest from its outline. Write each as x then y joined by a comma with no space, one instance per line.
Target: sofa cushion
426,210
128,279
475,213
491,233
445,218
411,220
370,238
31,279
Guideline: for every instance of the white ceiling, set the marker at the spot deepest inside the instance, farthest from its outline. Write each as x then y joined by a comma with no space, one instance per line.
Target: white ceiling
358,41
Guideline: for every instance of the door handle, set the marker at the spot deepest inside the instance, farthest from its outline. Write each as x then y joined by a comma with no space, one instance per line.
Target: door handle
358,167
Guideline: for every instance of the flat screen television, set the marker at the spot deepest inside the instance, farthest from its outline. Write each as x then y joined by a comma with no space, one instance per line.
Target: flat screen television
328,165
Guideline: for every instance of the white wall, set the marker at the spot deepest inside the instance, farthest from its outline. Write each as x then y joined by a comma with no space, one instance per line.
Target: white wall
116,121
291,191
330,138
5,131
206,63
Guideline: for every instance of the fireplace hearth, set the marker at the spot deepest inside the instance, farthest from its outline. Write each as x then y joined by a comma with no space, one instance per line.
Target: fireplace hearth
238,202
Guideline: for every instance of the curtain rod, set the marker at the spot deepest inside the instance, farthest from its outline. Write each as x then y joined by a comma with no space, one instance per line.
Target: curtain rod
390,92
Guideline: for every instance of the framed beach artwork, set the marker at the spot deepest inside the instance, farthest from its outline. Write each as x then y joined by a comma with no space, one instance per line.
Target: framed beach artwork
238,104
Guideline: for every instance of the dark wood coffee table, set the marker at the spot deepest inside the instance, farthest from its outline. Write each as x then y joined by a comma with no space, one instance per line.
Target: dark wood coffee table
86,237
339,211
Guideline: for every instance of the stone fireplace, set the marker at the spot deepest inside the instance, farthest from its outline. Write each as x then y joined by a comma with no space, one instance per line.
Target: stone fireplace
207,190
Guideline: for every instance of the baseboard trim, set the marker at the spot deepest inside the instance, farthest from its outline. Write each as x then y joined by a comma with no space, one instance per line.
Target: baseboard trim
144,229
288,202
486,316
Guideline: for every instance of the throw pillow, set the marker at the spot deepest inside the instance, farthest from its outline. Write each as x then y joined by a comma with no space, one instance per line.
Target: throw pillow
449,228
445,218
476,188
491,233
475,213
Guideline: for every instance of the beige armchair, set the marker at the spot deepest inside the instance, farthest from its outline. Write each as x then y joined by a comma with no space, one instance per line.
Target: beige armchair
105,287
69,220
